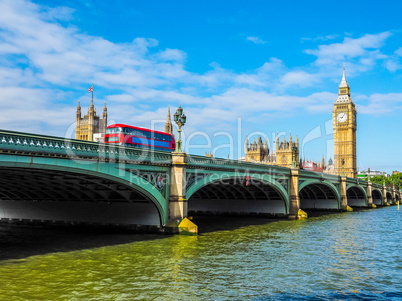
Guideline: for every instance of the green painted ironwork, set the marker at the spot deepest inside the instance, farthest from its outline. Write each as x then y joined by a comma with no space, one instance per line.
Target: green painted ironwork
148,171
35,145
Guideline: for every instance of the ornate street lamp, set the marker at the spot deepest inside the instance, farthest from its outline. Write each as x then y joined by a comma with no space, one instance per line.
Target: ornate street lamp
180,120
294,150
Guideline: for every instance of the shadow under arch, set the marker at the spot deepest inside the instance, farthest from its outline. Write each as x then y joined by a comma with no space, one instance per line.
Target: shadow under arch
231,194
356,196
397,198
59,193
390,199
319,195
377,197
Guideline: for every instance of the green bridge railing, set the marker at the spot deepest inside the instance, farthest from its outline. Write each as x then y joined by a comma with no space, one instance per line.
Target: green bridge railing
12,142
41,145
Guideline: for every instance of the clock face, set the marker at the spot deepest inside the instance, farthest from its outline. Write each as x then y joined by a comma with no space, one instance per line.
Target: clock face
342,117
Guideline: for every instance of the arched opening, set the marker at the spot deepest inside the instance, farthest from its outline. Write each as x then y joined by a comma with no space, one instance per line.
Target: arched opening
318,196
52,196
356,197
237,197
377,197
390,199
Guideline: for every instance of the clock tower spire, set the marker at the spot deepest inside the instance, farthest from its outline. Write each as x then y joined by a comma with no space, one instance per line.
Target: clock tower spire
344,123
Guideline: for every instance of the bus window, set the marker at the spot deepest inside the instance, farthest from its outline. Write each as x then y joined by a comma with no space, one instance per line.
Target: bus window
113,130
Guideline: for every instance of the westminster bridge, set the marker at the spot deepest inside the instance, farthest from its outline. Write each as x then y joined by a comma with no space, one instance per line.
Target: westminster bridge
55,180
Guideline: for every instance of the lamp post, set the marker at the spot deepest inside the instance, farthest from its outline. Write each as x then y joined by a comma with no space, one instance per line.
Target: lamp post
180,120
294,149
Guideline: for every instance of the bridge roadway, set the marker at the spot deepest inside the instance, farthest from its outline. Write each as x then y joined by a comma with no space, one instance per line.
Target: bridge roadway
55,180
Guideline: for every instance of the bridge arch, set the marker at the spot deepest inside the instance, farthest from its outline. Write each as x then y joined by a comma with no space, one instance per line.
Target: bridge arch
356,195
78,193
319,194
377,197
228,193
390,199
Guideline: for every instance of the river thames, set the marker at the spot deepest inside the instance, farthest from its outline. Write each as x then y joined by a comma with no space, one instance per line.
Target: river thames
342,256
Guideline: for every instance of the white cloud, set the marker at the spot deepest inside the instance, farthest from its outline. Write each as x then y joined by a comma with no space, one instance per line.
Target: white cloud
321,38
350,49
381,103
393,65
140,76
256,40
299,78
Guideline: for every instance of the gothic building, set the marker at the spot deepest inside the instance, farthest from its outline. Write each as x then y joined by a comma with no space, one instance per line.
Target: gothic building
344,124
284,151
283,156
90,127
168,124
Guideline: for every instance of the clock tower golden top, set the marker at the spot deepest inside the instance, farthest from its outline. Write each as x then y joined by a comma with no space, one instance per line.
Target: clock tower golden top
344,90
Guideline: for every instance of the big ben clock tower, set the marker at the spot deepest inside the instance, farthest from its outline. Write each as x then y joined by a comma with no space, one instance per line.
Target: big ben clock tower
344,123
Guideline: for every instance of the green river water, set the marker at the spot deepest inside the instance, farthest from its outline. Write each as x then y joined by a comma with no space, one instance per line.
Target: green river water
343,256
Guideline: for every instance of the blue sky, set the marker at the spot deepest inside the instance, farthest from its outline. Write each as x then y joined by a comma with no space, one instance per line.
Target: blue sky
236,67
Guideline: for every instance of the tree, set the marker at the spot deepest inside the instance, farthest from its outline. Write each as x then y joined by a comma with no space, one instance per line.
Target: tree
396,179
380,180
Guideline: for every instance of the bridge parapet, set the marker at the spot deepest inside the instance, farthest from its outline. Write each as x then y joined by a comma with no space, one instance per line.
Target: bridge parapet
219,163
41,145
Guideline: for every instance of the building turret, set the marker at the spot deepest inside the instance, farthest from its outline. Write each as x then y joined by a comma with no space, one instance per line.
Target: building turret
104,119
259,145
77,121
105,111
78,110
168,124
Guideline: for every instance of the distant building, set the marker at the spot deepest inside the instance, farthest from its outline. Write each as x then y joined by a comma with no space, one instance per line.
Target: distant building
90,127
259,152
329,168
372,173
312,166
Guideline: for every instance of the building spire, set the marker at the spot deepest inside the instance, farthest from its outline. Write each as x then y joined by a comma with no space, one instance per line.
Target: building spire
344,82
78,113
344,89
168,125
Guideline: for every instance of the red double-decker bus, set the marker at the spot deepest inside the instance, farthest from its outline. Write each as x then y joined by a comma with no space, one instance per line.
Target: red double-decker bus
127,135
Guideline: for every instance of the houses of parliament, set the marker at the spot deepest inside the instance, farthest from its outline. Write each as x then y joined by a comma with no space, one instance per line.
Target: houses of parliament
92,127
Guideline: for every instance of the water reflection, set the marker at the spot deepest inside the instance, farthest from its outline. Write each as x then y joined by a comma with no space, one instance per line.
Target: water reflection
339,256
